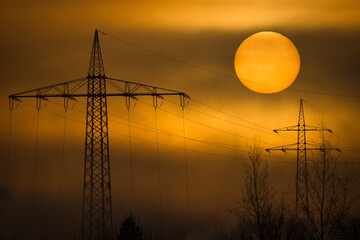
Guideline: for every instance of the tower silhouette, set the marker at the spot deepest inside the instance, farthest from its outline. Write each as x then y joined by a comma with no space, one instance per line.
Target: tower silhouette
97,204
301,147
97,207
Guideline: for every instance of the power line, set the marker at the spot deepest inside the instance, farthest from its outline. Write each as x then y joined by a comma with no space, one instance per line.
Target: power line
231,115
210,143
62,173
165,56
236,117
35,156
97,201
159,177
223,145
282,135
301,147
354,161
186,173
151,129
334,118
131,163
208,126
227,121
9,150
341,122
151,142
216,72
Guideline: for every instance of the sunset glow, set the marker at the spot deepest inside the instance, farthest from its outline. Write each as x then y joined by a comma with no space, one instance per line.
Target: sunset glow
178,166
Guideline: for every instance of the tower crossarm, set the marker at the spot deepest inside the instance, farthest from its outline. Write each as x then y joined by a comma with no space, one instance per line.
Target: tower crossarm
291,128
301,147
77,88
313,128
283,148
133,89
294,147
96,87
63,89
295,128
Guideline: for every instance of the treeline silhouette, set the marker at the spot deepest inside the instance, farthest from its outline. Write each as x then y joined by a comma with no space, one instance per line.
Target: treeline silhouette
264,214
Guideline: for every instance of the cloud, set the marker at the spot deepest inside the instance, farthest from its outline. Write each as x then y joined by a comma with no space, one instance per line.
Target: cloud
187,15
48,42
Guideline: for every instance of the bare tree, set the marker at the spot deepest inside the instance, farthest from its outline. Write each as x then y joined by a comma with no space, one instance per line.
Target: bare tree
346,215
257,209
327,192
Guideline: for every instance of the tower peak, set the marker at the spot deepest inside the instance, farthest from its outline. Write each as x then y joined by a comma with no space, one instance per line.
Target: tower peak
96,66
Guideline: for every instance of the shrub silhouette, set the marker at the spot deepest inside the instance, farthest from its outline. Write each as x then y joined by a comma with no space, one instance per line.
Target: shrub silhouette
130,229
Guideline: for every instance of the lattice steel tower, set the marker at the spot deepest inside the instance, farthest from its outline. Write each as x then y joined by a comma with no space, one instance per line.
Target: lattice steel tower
97,205
301,147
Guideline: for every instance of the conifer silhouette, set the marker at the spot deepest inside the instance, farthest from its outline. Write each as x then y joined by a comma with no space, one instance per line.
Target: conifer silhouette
130,229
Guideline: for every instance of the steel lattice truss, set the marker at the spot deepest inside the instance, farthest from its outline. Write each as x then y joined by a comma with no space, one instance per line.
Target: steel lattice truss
97,206
302,146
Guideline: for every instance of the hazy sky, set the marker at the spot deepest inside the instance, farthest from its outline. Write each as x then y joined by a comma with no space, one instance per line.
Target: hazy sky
46,42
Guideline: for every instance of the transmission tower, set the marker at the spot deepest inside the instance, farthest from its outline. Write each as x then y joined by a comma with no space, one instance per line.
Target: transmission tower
301,147
97,205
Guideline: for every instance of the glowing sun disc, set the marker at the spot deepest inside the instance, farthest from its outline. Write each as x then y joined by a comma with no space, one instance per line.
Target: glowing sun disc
267,62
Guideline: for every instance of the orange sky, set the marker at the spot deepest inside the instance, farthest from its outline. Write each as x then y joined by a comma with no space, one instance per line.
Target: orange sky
48,42
186,15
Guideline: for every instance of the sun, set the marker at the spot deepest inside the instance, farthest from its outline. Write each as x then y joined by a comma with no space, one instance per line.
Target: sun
267,62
